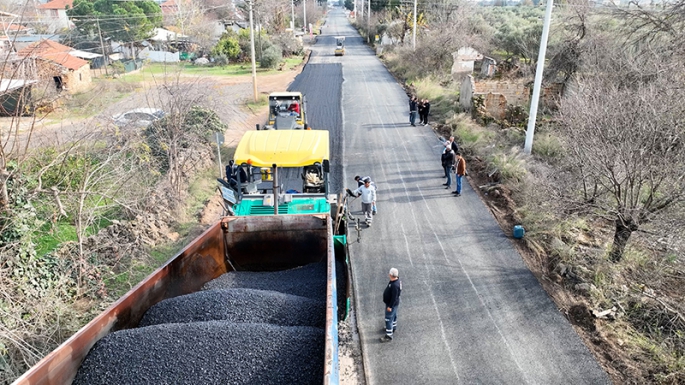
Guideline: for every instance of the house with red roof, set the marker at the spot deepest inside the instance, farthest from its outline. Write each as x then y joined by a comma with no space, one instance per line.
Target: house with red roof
54,63
54,15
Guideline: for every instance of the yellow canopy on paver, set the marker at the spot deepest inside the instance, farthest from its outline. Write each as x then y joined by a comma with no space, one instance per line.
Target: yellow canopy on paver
285,148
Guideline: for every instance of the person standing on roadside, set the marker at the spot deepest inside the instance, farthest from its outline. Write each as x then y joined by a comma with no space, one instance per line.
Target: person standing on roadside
391,298
461,171
447,164
413,110
360,182
447,144
426,110
453,144
368,194
420,111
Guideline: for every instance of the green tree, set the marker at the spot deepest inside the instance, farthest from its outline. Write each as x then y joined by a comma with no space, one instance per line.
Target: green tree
119,20
228,46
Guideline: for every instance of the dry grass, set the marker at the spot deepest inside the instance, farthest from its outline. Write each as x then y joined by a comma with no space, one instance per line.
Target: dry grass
645,341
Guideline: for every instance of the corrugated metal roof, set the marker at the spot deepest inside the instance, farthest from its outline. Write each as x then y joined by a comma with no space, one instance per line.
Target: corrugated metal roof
84,54
13,84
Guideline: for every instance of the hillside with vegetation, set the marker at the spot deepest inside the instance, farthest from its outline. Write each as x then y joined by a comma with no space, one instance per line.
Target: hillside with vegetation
601,197
88,207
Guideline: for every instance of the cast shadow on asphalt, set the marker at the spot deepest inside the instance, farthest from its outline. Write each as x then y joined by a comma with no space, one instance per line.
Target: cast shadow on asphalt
386,125
430,180
403,199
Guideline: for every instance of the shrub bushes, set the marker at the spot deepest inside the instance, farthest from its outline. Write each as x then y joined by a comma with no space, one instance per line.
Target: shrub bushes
289,45
271,57
228,47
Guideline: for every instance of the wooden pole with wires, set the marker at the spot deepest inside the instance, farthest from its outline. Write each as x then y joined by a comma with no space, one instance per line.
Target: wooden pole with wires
102,45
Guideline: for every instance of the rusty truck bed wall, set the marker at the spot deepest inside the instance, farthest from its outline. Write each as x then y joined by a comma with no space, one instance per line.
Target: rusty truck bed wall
276,242
266,243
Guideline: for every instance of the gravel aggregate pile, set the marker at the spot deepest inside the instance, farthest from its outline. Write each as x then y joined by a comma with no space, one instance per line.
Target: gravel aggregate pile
238,305
305,281
213,352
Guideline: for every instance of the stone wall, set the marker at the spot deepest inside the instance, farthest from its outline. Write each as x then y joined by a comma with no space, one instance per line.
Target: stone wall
498,94
515,91
550,95
78,80
495,105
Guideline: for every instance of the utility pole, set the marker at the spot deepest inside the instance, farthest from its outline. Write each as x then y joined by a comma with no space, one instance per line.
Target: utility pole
362,10
413,38
354,9
304,7
532,117
368,22
102,45
292,10
181,16
254,65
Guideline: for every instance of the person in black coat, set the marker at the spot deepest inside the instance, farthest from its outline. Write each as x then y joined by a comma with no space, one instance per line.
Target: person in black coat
447,158
425,111
391,299
413,110
420,110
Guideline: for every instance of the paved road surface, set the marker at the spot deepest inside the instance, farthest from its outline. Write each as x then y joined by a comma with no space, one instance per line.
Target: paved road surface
321,83
471,311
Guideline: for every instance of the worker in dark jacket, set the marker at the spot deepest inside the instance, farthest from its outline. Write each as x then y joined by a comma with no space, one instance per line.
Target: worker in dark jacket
391,298
426,110
413,110
447,158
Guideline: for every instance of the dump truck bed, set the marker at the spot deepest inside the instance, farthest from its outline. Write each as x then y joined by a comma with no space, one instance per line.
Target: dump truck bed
265,243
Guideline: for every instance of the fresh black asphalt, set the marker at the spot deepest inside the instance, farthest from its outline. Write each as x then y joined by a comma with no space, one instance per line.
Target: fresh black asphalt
321,85
471,311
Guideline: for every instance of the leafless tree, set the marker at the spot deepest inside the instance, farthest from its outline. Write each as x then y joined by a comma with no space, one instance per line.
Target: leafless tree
435,43
110,180
664,25
624,126
179,141
446,12
11,149
565,56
